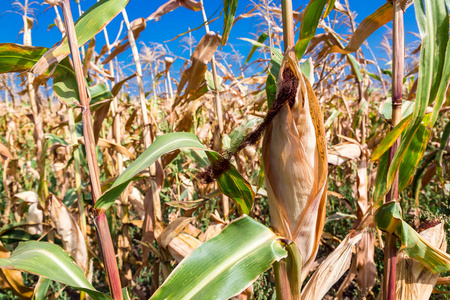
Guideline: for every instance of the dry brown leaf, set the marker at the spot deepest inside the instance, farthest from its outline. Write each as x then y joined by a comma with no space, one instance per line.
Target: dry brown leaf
4,152
69,231
367,270
443,280
182,245
172,5
108,144
35,215
153,225
295,164
338,154
213,230
11,280
174,228
369,25
414,280
201,56
137,201
99,116
331,269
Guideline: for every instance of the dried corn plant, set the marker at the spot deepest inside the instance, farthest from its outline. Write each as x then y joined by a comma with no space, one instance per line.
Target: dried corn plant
220,175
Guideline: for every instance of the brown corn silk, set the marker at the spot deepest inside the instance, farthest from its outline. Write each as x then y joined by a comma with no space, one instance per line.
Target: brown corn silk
295,163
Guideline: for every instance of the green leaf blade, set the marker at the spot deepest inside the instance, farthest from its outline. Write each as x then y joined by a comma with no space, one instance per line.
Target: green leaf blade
233,185
50,261
161,145
230,7
225,265
311,19
388,218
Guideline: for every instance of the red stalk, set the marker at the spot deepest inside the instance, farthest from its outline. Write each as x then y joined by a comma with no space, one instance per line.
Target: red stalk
101,221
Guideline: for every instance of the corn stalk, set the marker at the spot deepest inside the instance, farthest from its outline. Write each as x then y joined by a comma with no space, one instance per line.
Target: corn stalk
101,221
398,58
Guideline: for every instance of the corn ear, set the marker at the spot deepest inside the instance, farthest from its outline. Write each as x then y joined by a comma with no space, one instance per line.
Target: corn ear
295,164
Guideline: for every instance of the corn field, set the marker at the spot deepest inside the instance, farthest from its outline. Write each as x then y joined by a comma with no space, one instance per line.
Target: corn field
299,166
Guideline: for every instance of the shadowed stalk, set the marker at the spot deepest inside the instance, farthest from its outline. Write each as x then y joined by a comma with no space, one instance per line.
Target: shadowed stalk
101,221
398,60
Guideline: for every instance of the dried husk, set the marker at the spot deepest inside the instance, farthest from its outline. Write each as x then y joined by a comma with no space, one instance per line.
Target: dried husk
182,245
332,268
35,214
69,231
414,280
295,165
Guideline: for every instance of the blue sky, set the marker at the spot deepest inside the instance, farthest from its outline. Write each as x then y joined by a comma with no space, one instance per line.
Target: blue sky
175,23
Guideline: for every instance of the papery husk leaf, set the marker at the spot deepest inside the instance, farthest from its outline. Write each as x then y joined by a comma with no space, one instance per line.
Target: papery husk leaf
295,164
331,269
182,245
388,218
367,270
414,280
201,56
174,228
35,215
69,231
343,152
172,5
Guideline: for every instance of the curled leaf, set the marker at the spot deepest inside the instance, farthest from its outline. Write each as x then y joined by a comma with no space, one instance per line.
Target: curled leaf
388,218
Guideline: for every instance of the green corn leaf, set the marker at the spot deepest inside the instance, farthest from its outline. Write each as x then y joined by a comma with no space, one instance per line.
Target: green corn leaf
261,40
390,138
224,265
388,218
414,154
160,146
381,180
434,72
86,27
271,88
40,291
386,109
356,69
50,261
234,186
167,143
18,58
99,92
441,151
330,7
230,7
311,18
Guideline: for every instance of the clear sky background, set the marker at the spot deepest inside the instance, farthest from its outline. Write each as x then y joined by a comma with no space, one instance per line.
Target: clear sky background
176,22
